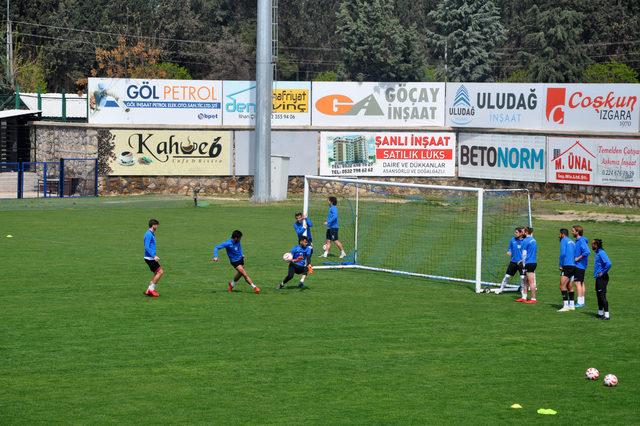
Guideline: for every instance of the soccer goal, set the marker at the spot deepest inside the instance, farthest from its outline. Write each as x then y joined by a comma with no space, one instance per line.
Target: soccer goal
450,233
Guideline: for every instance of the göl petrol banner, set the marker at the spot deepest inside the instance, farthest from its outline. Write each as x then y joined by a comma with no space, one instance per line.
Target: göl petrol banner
140,101
387,153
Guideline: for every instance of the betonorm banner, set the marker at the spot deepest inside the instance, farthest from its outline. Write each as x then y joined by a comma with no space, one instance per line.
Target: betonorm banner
504,157
170,153
290,103
138,101
387,154
606,162
597,107
378,104
492,105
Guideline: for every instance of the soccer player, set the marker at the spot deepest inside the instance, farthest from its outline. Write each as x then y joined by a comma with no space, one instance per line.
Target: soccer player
236,257
582,260
151,257
303,226
299,264
567,265
601,266
530,260
515,265
332,228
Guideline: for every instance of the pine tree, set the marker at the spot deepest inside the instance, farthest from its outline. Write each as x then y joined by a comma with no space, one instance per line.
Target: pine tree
468,32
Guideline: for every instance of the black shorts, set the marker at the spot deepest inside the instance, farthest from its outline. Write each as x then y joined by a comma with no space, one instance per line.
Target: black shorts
513,268
332,234
238,263
297,269
153,265
568,271
530,267
601,283
578,275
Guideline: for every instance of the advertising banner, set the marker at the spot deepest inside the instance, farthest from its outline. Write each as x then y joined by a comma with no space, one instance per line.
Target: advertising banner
140,101
491,105
340,104
597,107
606,162
387,154
290,103
170,153
504,157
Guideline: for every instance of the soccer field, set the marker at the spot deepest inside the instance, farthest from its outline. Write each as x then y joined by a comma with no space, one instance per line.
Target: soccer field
79,342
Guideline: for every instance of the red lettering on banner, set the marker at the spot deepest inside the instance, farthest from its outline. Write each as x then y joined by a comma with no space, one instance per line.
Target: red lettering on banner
611,101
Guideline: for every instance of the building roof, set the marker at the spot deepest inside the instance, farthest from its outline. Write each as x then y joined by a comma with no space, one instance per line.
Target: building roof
8,113
52,104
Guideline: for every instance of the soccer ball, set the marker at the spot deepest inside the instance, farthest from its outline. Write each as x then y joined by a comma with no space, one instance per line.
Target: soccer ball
610,380
592,373
287,257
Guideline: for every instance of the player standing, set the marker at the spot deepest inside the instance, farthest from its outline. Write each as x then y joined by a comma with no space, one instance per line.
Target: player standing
333,228
151,258
530,260
515,264
303,226
299,264
236,257
567,265
582,260
601,266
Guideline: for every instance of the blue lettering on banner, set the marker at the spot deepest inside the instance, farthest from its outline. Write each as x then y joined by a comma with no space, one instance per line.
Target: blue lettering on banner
502,157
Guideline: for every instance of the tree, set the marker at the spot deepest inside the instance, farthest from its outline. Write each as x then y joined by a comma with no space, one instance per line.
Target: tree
374,45
468,32
610,72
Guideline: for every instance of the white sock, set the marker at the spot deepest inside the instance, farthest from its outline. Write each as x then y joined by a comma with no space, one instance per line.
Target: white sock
600,312
342,252
533,298
565,303
504,282
606,314
581,300
151,287
572,304
326,253
253,285
302,278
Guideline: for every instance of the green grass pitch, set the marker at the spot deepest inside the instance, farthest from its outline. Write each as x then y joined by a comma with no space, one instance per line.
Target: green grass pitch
79,343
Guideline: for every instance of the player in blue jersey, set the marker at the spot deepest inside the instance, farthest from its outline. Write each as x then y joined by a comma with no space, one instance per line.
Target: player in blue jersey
601,267
236,257
151,258
332,229
515,265
299,264
567,264
530,261
582,252
303,226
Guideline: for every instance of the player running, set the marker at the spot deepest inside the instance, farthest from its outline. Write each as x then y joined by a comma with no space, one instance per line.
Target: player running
299,264
567,267
515,265
601,267
151,258
582,261
236,257
530,261
332,229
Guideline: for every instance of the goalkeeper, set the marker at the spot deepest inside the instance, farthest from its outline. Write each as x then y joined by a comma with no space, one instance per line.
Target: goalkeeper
299,264
515,265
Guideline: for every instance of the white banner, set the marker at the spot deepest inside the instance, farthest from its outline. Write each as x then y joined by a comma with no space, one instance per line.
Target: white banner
290,103
605,162
504,157
387,154
597,107
493,105
141,101
343,104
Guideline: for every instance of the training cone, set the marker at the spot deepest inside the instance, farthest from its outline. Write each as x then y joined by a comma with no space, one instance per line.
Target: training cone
9,236
547,411
516,406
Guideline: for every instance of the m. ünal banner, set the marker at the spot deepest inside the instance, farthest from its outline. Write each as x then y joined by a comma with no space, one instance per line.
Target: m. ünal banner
170,153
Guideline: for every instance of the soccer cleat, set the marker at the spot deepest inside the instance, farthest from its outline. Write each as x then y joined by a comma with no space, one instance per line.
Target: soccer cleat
325,254
598,316
606,318
230,287
343,255
256,290
280,286
579,305
565,309
572,308
521,300
151,293
530,302
301,285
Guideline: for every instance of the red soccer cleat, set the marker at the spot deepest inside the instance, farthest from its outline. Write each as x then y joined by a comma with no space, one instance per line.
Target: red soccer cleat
151,293
521,300
230,287
531,302
256,290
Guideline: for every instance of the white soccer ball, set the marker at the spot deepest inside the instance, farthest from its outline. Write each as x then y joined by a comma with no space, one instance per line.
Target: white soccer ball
610,380
287,257
592,373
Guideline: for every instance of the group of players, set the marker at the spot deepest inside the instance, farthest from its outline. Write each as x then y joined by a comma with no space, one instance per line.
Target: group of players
573,262
299,259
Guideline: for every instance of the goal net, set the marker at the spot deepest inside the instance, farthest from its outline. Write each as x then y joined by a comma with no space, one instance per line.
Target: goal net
458,234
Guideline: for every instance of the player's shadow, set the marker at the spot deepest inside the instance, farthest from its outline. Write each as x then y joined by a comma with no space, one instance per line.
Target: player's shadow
294,287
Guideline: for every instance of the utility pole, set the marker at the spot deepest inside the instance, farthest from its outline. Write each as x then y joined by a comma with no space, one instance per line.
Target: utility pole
10,76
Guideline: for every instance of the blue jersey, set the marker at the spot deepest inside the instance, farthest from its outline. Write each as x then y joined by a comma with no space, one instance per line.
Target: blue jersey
149,244
567,252
332,217
601,264
582,249
530,250
301,255
301,231
234,250
515,248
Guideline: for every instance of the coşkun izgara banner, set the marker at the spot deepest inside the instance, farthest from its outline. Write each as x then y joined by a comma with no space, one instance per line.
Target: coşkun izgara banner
290,103
347,104
595,107
387,154
140,101
586,161
502,156
170,153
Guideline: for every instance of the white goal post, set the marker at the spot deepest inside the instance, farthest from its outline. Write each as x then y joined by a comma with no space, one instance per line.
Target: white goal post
420,230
